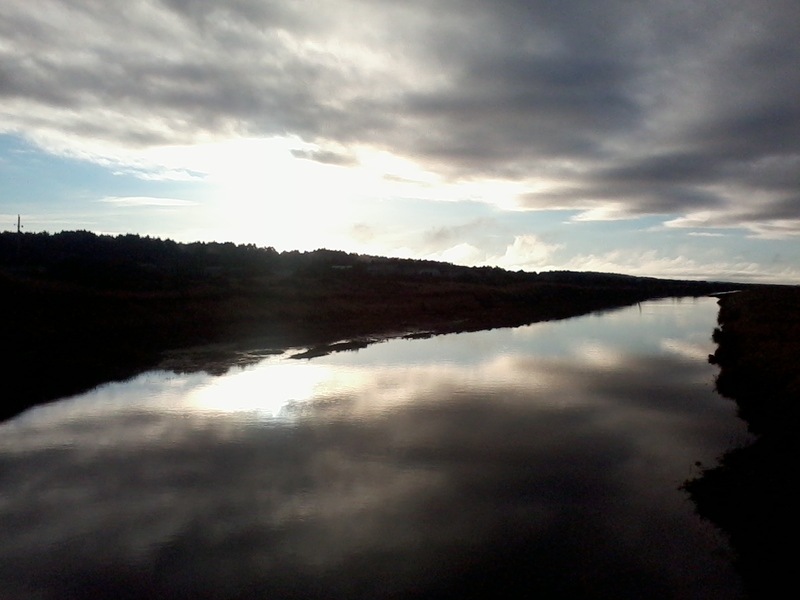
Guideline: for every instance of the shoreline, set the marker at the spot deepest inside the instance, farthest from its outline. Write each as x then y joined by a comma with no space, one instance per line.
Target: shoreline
68,343
218,358
751,493
80,310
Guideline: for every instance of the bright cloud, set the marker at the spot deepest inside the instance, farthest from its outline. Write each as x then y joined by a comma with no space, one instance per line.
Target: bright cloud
527,252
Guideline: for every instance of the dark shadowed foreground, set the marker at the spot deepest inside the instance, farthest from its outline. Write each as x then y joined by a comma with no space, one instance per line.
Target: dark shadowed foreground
753,493
80,309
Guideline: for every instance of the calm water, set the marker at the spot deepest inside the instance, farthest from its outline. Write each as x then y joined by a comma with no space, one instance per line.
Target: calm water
543,461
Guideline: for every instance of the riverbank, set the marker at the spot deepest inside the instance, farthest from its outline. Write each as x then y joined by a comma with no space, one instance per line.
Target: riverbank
79,309
61,339
752,494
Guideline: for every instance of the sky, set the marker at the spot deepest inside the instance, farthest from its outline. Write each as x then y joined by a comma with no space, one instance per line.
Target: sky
657,138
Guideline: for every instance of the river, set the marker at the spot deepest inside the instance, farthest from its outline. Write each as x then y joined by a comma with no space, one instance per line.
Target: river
540,461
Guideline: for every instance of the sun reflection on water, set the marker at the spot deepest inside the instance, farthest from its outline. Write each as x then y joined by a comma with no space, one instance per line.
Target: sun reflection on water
265,391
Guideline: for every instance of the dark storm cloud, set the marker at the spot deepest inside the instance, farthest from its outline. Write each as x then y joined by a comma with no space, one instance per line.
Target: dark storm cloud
666,108
505,113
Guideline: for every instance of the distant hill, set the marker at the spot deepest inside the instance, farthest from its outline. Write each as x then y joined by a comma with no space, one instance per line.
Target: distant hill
137,263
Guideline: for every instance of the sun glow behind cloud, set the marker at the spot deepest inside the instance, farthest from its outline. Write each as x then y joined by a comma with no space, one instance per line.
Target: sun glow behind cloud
290,194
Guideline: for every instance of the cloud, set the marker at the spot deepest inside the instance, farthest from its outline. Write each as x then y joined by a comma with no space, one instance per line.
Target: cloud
134,201
460,254
759,223
527,252
446,235
652,263
327,157
661,108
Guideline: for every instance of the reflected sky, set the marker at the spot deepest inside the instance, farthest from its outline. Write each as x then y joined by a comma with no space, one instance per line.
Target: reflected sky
543,459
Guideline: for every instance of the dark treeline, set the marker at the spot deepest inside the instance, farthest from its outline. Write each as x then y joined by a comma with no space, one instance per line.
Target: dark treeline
145,263
126,261
80,309
140,263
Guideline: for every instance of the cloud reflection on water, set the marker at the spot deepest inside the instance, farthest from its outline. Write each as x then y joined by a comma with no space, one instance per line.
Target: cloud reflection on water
517,471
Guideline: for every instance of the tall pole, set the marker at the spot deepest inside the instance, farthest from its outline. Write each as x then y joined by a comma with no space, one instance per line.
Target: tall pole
19,236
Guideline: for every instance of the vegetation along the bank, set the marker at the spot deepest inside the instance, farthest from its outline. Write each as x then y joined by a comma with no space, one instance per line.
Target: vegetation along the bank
80,309
752,494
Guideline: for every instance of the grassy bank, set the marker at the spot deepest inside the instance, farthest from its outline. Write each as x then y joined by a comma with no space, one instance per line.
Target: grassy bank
80,309
61,339
752,493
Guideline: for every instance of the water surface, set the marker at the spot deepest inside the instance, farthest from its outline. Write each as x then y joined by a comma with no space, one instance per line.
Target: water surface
538,460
